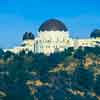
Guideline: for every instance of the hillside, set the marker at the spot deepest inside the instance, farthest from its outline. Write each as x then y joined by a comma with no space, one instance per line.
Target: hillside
70,75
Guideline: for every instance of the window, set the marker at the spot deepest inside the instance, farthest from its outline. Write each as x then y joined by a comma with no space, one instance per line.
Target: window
23,45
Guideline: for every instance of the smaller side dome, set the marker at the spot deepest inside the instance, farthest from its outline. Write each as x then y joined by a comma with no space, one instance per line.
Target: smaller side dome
95,33
28,36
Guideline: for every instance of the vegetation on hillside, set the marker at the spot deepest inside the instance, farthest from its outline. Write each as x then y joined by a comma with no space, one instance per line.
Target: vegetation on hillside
69,75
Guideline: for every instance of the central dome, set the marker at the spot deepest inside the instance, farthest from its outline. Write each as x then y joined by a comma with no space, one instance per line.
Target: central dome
53,25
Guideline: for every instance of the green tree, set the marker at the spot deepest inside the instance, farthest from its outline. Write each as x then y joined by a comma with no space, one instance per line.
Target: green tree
1,53
83,79
97,85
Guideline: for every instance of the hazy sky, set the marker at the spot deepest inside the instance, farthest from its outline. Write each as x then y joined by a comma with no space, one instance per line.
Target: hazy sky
18,16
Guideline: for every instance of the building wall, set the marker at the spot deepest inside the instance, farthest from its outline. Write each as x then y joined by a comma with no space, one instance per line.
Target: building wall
49,42
53,41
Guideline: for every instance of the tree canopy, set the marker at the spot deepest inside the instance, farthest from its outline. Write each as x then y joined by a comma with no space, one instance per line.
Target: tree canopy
60,76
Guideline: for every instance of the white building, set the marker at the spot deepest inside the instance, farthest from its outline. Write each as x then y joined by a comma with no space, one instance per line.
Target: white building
53,36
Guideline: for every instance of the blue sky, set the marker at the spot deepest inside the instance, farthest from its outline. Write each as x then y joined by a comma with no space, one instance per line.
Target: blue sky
18,16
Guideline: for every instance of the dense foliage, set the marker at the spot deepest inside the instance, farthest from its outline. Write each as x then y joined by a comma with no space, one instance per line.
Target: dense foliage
69,75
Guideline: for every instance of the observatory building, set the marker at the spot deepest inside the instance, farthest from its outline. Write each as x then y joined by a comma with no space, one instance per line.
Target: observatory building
53,36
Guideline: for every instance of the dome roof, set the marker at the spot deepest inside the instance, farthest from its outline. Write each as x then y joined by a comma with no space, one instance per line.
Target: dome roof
53,25
28,36
95,33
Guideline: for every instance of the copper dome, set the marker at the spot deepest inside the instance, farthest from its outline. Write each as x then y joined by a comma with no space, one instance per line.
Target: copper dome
53,25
